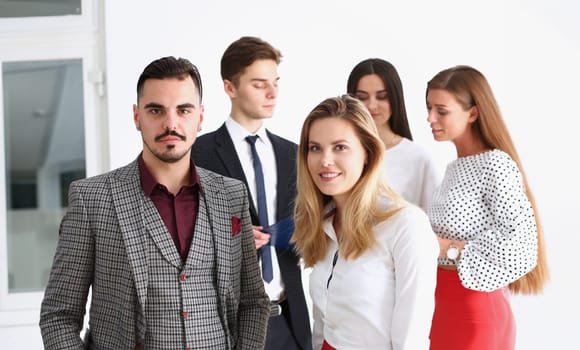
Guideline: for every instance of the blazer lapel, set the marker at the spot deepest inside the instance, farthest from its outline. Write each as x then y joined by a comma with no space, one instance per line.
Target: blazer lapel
283,168
138,217
159,234
128,199
229,157
202,243
215,215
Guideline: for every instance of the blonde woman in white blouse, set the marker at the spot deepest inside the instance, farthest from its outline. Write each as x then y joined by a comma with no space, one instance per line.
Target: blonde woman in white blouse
373,254
484,216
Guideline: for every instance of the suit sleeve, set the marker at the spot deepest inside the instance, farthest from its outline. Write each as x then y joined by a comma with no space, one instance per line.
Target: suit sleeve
63,307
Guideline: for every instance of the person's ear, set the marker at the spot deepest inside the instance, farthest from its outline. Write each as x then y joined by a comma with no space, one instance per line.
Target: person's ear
136,117
201,111
229,88
473,114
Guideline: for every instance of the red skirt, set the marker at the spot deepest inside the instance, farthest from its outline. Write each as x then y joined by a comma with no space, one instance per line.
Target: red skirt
466,319
326,346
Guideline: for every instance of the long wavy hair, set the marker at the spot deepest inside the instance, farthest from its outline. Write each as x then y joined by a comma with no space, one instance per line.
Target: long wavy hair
470,88
363,209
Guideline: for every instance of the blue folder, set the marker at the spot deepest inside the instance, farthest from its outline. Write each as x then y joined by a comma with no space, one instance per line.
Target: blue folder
281,232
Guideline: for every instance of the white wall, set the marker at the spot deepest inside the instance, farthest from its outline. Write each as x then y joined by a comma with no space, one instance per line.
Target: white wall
528,50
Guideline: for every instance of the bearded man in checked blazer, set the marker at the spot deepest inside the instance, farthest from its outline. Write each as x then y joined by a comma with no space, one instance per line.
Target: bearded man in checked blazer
165,247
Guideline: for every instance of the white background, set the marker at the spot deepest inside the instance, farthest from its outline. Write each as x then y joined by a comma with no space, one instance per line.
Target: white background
528,50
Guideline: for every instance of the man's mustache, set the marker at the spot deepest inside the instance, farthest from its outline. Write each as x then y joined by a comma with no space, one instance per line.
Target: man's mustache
168,133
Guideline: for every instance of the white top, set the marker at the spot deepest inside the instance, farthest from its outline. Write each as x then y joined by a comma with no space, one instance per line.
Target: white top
384,299
411,172
481,201
274,288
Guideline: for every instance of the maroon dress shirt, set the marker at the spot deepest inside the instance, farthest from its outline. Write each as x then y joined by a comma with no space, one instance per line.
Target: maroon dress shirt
179,211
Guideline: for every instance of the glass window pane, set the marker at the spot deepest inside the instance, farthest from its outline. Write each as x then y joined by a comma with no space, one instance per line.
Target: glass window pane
36,8
44,152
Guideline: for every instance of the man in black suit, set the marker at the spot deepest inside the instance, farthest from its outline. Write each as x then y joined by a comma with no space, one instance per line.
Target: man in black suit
249,69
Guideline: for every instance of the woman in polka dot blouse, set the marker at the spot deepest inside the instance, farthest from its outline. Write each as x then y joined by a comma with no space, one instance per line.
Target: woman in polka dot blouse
484,216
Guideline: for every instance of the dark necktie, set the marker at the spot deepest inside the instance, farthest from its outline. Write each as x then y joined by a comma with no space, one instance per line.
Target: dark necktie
262,208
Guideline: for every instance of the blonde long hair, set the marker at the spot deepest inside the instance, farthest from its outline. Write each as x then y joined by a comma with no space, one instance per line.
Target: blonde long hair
362,210
470,88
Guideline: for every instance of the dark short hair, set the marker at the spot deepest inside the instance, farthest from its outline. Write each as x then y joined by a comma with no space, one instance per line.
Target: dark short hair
242,53
170,67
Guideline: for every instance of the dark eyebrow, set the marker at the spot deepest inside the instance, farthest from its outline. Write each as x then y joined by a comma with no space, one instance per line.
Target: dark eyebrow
154,105
186,105
365,92
264,79
160,106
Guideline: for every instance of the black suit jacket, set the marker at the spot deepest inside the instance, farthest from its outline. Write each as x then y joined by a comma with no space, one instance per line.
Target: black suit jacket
215,151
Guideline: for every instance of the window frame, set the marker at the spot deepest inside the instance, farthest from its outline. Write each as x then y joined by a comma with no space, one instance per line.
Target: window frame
52,38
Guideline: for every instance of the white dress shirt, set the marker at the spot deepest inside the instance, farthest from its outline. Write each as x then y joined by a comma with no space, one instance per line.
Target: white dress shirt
411,172
274,288
383,299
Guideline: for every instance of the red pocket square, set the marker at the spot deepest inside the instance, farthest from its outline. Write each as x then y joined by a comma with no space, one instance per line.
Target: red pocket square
236,225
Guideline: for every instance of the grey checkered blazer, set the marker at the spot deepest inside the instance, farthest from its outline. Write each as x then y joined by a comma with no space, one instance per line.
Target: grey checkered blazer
103,246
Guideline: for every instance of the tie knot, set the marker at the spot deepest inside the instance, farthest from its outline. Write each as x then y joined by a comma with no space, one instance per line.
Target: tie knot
252,139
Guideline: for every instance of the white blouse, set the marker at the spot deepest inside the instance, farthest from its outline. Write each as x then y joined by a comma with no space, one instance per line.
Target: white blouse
481,201
411,172
384,299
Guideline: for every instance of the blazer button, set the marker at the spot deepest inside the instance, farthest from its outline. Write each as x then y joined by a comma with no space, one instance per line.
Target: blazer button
182,277
185,314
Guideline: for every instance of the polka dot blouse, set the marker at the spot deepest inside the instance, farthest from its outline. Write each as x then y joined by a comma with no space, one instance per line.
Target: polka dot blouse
481,201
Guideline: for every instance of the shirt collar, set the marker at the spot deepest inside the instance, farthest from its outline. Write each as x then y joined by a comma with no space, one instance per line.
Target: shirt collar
148,182
238,133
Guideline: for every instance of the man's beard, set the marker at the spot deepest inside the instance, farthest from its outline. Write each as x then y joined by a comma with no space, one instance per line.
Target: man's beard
169,155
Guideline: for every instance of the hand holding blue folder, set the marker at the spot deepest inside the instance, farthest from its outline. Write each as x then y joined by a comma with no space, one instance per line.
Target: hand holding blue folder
281,232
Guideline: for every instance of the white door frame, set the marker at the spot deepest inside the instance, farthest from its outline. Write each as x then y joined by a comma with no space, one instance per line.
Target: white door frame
53,38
